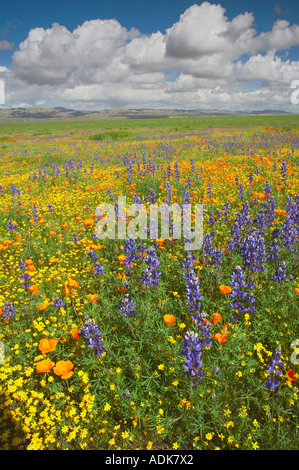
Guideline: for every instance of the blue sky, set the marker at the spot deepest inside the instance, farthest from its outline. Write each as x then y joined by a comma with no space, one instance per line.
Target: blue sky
18,18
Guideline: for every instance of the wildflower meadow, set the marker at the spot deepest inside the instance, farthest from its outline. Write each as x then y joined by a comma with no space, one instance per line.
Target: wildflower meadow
137,343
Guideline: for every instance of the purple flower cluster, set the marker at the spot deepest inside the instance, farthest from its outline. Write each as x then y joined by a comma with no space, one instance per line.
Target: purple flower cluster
58,303
98,269
242,301
11,225
151,274
273,369
127,307
92,255
253,252
91,332
203,328
130,249
24,277
192,351
212,255
192,287
279,274
8,311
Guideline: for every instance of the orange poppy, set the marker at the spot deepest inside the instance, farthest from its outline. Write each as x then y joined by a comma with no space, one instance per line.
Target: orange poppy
93,297
88,222
297,290
44,366
225,289
33,289
169,319
216,317
44,305
72,283
64,369
74,333
222,337
121,259
47,345
291,375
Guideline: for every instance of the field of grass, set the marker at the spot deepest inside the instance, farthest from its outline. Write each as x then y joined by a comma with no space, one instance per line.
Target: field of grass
139,344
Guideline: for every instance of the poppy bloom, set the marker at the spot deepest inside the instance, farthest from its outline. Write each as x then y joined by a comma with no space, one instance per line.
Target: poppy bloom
93,297
74,333
222,337
291,375
33,289
72,283
122,259
44,366
297,290
225,289
64,369
88,222
69,285
44,305
169,319
216,317
47,345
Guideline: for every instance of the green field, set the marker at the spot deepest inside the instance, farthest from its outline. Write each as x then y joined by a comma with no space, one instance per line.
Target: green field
286,122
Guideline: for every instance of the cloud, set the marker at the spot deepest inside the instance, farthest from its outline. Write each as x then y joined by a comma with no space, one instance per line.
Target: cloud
6,45
102,64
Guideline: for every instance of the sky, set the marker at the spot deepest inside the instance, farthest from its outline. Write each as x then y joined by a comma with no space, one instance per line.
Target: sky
157,54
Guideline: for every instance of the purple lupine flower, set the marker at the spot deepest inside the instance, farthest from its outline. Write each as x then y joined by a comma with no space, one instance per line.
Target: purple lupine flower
188,264
98,269
203,328
279,274
168,192
267,188
127,307
260,220
151,274
253,252
241,191
270,214
90,331
273,369
212,255
289,234
242,301
58,303
11,225
192,351
8,310
176,170
226,211
283,170
209,190
152,196
194,296
92,255
129,248
274,249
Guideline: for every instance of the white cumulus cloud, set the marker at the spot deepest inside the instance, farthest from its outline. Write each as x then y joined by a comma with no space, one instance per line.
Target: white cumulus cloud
202,60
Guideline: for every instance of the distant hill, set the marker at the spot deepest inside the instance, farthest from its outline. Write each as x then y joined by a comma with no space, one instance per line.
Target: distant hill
12,115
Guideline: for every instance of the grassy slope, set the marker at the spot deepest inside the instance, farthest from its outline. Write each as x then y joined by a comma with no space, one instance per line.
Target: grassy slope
175,124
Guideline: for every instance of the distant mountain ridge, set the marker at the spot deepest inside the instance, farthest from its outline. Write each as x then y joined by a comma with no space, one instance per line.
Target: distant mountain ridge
11,115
